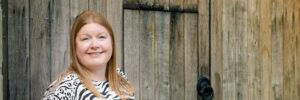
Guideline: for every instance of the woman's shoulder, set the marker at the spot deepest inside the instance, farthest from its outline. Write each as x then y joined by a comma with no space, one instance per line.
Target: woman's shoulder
62,88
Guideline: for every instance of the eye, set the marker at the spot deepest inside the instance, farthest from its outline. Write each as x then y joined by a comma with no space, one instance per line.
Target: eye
84,39
102,37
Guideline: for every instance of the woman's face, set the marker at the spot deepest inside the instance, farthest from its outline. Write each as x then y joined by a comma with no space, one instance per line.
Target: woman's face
93,46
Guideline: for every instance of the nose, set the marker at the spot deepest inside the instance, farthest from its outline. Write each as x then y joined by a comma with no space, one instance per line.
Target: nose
95,44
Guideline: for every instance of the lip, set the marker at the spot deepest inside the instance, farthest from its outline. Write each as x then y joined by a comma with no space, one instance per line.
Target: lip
94,54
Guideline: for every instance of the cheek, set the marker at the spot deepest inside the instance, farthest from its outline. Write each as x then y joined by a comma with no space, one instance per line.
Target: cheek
81,48
108,46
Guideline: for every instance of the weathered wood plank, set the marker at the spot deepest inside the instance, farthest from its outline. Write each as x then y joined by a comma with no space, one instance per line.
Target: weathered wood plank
133,4
217,48
161,56
253,40
4,5
266,48
18,50
176,5
289,48
99,6
241,50
39,48
162,4
229,50
297,62
59,30
1,53
76,7
147,29
146,3
203,38
115,18
191,5
277,50
131,48
177,57
190,60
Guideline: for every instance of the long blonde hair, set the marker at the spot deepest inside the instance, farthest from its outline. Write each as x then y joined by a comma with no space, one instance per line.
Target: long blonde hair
116,82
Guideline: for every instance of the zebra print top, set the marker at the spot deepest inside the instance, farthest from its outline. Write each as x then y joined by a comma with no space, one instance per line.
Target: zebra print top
70,88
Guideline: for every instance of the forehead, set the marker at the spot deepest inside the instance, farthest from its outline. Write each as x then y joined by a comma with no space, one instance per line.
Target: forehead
92,28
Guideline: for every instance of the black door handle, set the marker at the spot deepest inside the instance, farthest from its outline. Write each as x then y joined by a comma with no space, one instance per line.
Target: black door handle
204,88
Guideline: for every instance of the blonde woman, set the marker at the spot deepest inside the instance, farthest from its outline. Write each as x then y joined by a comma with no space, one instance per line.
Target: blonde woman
92,74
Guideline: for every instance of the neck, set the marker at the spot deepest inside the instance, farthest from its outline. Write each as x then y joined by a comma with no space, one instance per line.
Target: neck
98,74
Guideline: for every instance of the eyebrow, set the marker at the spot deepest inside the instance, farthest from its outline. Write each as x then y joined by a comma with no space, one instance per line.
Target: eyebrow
100,33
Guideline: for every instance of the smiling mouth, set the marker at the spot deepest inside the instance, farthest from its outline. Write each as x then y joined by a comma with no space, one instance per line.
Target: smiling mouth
95,54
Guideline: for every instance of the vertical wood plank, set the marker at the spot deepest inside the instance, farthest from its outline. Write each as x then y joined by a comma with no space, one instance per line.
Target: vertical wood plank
59,30
147,3
147,29
191,5
190,43
39,48
297,33
265,48
176,5
177,57
1,52
76,7
253,51
98,5
289,47
115,18
203,37
18,50
4,5
277,50
131,48
216,46
240,48
162,3
229,50
131,3
162,48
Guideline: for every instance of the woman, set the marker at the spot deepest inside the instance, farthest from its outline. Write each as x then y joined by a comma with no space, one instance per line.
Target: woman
92,73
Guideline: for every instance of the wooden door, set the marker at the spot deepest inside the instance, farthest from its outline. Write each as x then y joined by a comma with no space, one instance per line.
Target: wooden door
161,49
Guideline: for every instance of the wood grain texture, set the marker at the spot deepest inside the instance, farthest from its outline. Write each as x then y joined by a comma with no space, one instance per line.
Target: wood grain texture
191,5
39,48
1,52
18,50
4,5
229,50
115,19
176,5
98,5
149,3
203,38
132,48
177,73
59,31
162,3
217,49
147,29
161,56
289,41
265,48
297,62
253,56
241,50
76,7
190,60
277,50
